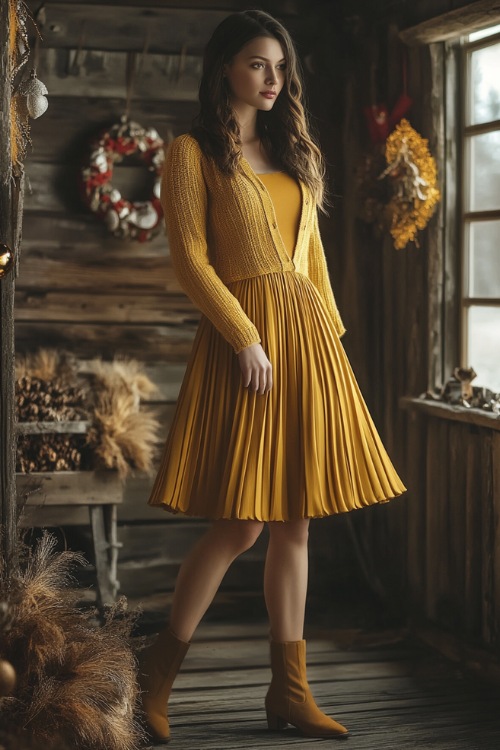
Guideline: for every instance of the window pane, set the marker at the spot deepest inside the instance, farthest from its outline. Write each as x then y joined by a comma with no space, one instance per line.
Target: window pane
483,33
485,171
484,346
484,259
485,84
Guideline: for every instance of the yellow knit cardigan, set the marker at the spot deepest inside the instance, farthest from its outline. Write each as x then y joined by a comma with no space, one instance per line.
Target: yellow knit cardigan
223,228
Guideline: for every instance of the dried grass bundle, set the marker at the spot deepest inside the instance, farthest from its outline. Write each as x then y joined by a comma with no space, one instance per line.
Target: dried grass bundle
75,680
122,435
54,386
47,364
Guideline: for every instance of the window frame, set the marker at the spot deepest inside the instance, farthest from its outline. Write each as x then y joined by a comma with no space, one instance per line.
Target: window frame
465,216
452,166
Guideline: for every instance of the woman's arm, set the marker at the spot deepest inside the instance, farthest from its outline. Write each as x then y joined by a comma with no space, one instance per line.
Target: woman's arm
184,201
318,273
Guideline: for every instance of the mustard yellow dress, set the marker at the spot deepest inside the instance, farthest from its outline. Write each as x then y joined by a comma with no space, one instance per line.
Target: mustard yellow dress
247,250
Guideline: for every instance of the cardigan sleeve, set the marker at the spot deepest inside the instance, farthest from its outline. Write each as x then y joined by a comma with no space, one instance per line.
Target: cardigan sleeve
184,201
318,273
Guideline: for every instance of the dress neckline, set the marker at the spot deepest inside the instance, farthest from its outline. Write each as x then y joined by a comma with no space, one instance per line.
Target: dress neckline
256,179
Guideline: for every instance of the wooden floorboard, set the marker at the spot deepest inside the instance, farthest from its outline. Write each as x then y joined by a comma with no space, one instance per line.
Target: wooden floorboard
393,693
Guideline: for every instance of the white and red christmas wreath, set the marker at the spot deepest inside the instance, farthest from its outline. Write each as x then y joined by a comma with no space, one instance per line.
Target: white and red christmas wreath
124,218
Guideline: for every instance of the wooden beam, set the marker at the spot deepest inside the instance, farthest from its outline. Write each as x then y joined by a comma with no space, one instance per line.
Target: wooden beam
81,236
456,23
104,307
74,427
131,26
433,60
270,6
152,342
69,488
101,73
8,235
451,216
128,28
148,275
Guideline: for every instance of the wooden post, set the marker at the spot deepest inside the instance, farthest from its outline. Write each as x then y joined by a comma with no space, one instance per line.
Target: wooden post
10,212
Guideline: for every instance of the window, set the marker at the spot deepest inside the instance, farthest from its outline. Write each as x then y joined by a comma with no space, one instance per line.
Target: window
480,217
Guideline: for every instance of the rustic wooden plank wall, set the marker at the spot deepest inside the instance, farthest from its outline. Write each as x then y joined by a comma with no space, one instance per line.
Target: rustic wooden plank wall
11,206
80,289
454,573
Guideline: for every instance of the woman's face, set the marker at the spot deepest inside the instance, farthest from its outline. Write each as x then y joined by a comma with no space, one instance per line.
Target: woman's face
256,74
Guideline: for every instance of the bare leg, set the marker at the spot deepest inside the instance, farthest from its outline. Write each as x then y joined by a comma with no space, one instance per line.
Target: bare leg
285,578
289,699
203,570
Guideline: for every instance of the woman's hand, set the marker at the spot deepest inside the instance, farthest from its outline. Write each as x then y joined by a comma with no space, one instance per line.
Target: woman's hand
256,369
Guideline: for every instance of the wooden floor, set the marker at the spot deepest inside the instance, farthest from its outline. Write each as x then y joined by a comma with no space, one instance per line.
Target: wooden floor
392,692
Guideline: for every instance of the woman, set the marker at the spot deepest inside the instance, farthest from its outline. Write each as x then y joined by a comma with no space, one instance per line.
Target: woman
270,425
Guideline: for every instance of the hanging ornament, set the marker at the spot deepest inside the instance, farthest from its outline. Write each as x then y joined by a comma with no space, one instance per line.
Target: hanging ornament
28,95
412,173
7,260
139,221
7,678
31,94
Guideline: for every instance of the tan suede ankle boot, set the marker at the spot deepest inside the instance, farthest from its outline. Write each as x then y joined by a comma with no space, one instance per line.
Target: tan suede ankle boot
289,699
158,668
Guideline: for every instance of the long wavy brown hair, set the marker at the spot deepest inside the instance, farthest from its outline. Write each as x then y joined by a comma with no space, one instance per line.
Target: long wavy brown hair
283,130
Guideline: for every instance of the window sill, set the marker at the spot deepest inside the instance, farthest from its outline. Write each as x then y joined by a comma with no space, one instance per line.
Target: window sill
442,410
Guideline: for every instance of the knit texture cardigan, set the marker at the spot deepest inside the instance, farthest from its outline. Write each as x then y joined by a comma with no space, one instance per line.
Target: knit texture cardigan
223,229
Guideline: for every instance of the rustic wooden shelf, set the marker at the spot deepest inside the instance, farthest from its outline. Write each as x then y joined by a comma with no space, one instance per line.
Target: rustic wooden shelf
73,427
453,413
73,498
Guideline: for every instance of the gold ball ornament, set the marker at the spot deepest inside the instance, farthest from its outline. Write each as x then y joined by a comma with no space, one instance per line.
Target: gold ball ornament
6,260
7,678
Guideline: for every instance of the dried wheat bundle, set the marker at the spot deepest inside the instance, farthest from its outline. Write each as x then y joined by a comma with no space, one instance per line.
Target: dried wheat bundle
75,680
122,435
52,386
47,364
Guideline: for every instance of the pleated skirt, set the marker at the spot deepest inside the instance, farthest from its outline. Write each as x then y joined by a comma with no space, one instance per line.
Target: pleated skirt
308,448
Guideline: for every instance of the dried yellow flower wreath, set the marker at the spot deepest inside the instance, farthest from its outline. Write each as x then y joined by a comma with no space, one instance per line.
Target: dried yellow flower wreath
414,176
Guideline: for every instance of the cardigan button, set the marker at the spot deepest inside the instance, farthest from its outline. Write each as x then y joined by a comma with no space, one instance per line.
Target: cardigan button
274,225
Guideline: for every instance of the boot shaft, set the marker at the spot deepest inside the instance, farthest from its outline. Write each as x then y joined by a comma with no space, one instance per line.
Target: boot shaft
288,666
